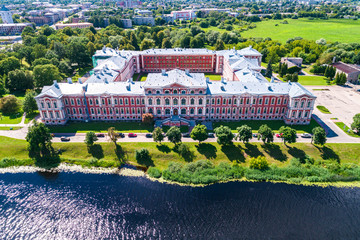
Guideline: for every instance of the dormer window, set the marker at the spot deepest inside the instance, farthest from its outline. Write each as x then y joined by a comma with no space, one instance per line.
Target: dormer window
183,92
192,92
175,92
167,92
149,92
157,92
42,105
200,92
48,104
55,105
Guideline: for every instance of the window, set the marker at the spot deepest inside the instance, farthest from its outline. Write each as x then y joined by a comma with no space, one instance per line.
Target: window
293,114
175,101
96,101
254,101
149,92
103,101
167,111
132,101
157,92
218,101
200,101
150,110
51,115
150,101
104,111
299,116
306,114
266,101
90,101
229,101
48,104
72,101
260,101
45,115
68,111
285,101
308,104
235,101
167,92
192,92
175,92
55,105
192,111
158,101
200,92
272,101
279,101
126,101
302,104
42,105
80,111
121,101
213,101
283,110
92,111
167,101
200,111
111,111
98,110
158,111
109,101
183,101
217,110
137,101
183,111
247,101
296,104
142,101
224,101
74,111
192,101
265,110
241,101
115,101
183,92
66,101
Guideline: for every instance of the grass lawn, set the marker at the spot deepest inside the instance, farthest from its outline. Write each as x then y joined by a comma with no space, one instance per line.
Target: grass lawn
313,80
81,127
323,109
19,94
342,30
214,77
142,77
161,155
10,128
214,28
346,129
11,119
273,124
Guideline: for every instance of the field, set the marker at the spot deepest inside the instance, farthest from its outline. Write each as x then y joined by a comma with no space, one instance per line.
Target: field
342,30
313,80
273,124
161,155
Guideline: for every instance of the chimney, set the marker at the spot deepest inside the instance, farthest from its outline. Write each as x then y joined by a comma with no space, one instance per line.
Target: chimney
80,81
163,72
56,84
187,71
69,80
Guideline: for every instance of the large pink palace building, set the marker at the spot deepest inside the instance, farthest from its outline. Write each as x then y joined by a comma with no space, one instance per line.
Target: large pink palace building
176,90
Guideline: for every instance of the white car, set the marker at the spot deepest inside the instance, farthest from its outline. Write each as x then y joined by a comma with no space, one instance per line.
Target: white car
306,135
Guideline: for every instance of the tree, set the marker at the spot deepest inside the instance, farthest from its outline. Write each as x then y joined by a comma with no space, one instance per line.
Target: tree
294,77
356,123
45,75
199,133
259,163
174,135
158,135
9,64
40,148
20,80
244,133
266,134
9,105
283,69
224,135
3,89
148,118
288,134
220,45
340,78
330,72
268,72
142,156
113,135
319,136
29,104
133,41
166,43
147,44
90,139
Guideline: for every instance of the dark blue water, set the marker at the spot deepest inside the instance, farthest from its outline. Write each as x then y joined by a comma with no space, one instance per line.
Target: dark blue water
90,206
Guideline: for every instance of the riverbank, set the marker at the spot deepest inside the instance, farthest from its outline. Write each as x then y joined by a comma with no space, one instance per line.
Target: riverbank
132,172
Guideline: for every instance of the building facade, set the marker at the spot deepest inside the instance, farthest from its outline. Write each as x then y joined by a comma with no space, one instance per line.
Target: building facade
176,87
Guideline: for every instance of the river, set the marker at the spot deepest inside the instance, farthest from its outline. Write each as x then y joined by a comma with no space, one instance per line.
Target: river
108,206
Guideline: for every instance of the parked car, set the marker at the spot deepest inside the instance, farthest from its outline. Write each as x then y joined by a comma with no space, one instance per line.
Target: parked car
211,135
186,135
121,135
148,135
255,135
132,135
65,139
278,135
100,135
306,135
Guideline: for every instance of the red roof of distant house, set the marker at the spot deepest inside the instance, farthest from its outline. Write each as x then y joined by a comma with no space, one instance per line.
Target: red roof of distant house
346,68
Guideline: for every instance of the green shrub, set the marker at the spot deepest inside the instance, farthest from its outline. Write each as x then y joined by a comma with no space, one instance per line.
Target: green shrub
259,163
154,172
142,155
13,162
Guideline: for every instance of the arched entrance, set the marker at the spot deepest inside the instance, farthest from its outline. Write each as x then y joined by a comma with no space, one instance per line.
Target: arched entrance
175,112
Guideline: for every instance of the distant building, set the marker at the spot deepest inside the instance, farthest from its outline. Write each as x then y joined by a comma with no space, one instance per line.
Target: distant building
72,25
13,28
127,23
144,12
144,21
183,15
352,72
292,61
6,15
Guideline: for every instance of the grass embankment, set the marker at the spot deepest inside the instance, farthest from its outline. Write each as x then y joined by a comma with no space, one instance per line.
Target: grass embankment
10,128
342,30
323,109
275,125
79,127
330,163
346,129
